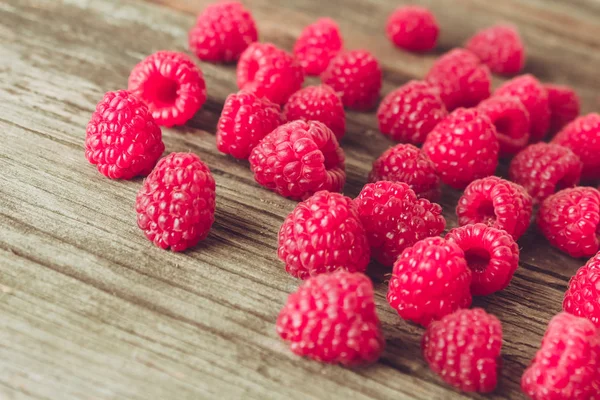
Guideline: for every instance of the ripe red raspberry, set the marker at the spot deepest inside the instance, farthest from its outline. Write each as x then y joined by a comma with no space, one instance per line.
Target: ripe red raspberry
463,81
497,203
244,121
463,348
270,72
583,295
317,103
566,365
318,43
122,139
394,218
222,32
298,159
430,280
583,137
570,220
511,119
463,147
176,203
331,318
412,28
356,76
171,85
564,105
499,47
410,112
543,168
323,233
534,97
408,164
491,254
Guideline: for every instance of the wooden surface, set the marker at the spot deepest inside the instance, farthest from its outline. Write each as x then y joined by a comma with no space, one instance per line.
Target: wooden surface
90,309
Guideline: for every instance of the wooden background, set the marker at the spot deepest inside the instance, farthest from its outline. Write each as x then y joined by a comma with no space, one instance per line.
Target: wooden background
90,309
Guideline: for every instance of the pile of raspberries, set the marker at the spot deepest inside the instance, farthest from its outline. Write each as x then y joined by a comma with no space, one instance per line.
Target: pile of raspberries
291,136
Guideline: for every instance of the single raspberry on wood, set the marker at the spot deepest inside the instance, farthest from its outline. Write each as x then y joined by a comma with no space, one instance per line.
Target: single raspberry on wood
583,295
511,119
582,136
323,233
171,85
298,159
412,28
499,47
332,318
564,105
463,348
122,139
410,112
318,43
176,203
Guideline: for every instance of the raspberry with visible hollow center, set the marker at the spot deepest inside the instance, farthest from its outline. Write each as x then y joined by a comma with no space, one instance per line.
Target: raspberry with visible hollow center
499,47
511,119
583,294
318,43
582,136
412,28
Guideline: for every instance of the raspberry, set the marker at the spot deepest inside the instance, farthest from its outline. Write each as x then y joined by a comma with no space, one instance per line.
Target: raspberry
500,48
491,254
583,295
463,147
511,119
570,220
534,97
317,45
332,318
543,168
317,103
122,139
356,76
222,32
323,234
413,28
171,85
583,137
497,203
406,163
270,72
394,218
176,203
463,81
463,348
566,365
298,159
410,112
564,105
430,280
244,121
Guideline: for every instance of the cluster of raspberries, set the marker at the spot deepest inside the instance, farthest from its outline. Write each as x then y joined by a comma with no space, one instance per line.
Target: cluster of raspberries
291,135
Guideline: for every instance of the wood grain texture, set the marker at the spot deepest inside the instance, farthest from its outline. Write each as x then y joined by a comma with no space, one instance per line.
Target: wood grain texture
89,309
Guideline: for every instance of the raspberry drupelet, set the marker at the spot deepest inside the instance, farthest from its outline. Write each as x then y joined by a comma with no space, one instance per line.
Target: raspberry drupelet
511,119
582,136
318,43
171,85
583,294
500,47
564,105
412,28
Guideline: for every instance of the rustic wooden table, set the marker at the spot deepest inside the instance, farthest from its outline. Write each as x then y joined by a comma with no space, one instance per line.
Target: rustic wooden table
90,309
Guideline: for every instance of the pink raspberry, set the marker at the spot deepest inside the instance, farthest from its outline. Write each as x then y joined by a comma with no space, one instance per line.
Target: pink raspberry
412,28
176,203
583,295
317,103
583,137
499,47
564,105
270,72
122,139
222,32
430,280
331,318
298,159
171,85
244,121
318,43
410,112
511,119
356,76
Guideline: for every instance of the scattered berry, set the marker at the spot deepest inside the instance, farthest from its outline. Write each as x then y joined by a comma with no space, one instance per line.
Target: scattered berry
410,112
583,137
298,159
511,119
356,76
176,203
413,28
463,147
463,348
570,220
331,318
171,85
430,280
499,47
564,105
583,295
122,139
270,72
317,45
